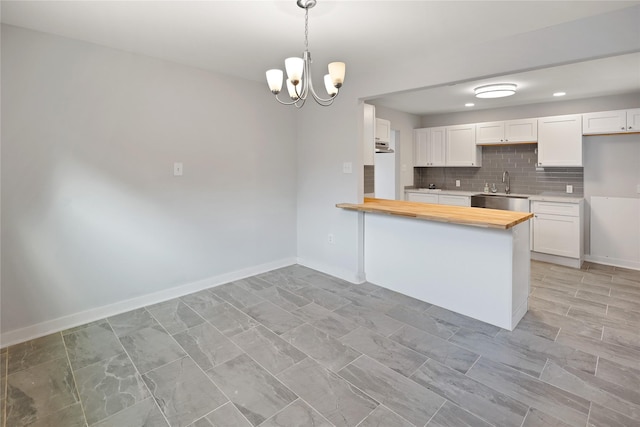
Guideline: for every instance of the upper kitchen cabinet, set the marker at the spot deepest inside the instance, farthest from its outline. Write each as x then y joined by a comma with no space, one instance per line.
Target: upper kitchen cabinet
429,146
368,134
560,141
507,132
607,122
383,130
461,148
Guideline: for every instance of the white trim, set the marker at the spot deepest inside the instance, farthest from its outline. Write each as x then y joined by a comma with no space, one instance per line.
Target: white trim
634,265
556,259
91,315
347,275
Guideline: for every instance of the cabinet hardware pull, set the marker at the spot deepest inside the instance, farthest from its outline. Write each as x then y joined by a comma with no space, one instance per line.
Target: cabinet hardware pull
622,128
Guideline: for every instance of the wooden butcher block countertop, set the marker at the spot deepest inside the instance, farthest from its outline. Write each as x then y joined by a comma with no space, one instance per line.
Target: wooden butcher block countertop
478,217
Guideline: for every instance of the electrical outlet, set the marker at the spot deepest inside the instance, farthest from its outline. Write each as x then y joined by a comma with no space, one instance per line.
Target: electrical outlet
347,167
177,169
330,239
457,183
569,188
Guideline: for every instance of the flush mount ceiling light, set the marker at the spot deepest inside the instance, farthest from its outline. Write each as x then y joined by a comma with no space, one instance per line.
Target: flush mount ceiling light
498,90
299,82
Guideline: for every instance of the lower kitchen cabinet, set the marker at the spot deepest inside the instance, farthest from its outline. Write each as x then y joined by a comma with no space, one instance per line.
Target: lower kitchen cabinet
439,199
447,199
557,232
422,197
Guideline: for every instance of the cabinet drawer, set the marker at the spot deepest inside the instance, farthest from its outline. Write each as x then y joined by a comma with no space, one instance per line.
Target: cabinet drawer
554,208
445,199
423,198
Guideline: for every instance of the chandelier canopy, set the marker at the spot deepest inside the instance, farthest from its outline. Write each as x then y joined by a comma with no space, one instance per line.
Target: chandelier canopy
299,81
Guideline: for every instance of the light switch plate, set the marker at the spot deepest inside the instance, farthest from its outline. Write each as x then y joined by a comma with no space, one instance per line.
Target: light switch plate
457,183
347,167
569,188
177,169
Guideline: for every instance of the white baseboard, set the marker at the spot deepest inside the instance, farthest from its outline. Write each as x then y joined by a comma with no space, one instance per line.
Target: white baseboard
91,315
347,275
634,265
555,259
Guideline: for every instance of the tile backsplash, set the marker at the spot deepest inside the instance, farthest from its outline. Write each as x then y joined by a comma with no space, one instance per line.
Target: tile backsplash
519,160
369,172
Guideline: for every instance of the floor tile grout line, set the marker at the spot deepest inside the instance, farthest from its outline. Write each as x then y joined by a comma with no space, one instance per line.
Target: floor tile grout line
435,413
291,403
525,416
73,375
140,375
368,415
418,368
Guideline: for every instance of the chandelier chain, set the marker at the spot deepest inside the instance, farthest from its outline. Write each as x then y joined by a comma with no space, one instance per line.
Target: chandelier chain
306,29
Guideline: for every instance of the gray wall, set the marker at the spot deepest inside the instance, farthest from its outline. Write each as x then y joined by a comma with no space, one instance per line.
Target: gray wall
91,212
518,160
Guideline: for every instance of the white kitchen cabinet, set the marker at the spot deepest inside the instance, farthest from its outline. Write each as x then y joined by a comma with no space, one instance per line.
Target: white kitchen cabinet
608,122
633,120
368,134
557,231
383,130
507,132
429,147
461,148
451,200
440,199
422,197
560,141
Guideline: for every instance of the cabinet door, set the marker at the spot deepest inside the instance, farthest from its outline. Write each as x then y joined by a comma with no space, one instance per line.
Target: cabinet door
461,149
633,120
445,199
423,198
383,130
490,133
437,144
556,235
368,134
604,122
560,141
420,147
516,131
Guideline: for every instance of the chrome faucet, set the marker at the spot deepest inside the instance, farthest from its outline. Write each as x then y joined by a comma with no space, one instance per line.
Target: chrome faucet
507,181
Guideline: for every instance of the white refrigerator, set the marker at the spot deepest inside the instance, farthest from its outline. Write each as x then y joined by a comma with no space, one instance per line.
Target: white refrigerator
385,172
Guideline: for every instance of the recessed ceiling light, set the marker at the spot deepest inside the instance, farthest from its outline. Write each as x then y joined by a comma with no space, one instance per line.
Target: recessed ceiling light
469,104
497,90
560,94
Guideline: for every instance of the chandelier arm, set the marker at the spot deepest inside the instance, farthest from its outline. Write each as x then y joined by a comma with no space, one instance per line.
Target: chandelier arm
325,102
286,103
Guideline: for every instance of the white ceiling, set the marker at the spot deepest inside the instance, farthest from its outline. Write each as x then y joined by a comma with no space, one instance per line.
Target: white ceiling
600,77
244,38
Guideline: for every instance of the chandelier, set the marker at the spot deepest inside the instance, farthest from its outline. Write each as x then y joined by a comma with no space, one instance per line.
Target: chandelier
299,81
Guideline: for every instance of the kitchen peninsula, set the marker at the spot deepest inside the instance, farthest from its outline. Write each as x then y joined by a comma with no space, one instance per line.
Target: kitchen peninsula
472,261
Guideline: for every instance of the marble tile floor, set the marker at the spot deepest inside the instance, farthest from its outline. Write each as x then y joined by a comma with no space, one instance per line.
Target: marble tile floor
294,347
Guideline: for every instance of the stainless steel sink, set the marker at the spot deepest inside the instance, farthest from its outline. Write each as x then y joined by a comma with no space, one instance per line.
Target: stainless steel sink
505,202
